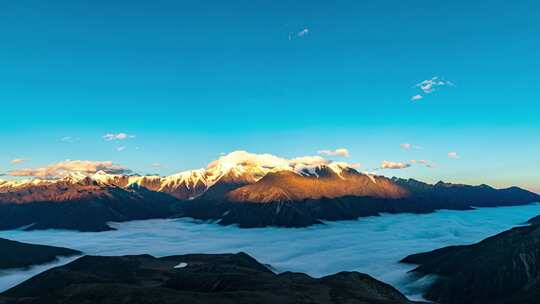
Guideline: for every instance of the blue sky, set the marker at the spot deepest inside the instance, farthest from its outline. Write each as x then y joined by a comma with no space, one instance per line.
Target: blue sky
193,79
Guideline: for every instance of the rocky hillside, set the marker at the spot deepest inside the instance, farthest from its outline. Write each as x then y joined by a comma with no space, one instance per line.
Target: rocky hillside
21,255
198,278
503,269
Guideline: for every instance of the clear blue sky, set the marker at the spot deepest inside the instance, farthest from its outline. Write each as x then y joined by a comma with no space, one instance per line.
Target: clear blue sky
192,79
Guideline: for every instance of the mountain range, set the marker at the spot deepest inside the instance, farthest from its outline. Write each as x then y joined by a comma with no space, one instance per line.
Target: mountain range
251,190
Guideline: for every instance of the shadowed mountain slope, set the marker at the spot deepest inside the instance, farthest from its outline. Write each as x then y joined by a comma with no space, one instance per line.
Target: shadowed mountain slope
502,269
21,255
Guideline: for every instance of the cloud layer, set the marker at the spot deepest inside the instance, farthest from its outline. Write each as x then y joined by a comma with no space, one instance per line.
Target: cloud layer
61,169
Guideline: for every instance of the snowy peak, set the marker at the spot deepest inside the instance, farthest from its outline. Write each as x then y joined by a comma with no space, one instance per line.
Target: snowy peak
258,165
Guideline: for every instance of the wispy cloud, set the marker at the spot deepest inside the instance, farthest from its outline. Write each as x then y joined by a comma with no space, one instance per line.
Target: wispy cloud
303,32
18,161
156,165
386,164
117,136
121,148
300,34
424,162
408,146
61,169
337,152
429,86
453,155
69,139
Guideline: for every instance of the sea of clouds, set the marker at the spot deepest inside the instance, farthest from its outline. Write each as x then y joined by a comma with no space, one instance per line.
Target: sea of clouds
372,245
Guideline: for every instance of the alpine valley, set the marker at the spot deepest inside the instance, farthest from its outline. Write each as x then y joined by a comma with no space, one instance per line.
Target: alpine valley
250,190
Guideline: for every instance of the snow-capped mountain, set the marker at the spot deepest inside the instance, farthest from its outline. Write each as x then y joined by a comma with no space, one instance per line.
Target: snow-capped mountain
251,190
227,173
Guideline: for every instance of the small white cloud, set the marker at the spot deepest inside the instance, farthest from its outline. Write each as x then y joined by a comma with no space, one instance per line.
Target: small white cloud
337,152
417,97
18,161
453,155
118,136
156,165
429,86
121,148
386,164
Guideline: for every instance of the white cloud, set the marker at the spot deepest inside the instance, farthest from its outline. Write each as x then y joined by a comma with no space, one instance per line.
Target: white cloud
417,97
121,148
386,164
118,136
337,152
156,165
61,169
18,161
453,155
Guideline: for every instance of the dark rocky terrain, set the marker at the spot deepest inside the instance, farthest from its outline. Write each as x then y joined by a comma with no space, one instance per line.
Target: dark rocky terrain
21,255
534,221
198,278
502,269
422,198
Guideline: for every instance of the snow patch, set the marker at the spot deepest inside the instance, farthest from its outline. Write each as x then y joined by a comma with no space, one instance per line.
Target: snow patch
181,265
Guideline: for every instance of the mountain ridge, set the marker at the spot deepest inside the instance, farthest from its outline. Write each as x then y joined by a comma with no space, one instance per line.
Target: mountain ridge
240,188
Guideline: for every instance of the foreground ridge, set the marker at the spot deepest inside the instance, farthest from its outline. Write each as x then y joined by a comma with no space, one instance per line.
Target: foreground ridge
502,269
194,278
